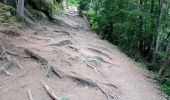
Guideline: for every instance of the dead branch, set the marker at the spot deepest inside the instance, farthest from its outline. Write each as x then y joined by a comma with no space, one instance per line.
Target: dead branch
29,94
50,92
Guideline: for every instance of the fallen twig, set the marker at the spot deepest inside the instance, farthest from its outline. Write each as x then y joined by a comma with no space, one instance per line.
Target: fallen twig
50,92
29,94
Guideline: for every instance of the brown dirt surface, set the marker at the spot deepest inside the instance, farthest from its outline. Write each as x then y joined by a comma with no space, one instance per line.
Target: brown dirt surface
89,64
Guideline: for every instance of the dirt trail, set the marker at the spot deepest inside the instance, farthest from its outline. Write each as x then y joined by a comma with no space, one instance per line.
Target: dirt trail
92,69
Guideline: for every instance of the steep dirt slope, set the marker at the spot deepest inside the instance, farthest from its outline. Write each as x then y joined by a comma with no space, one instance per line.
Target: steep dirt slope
73,61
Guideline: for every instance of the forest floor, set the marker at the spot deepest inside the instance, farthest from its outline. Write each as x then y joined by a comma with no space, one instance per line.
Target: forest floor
72,61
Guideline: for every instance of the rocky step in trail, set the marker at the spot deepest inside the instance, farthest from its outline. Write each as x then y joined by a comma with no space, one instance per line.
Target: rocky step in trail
66,60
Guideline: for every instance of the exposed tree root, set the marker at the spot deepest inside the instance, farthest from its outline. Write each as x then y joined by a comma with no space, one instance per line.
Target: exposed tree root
62,43
38,38
10,32
92,83
101,59
10,62
83,80
50,92
107,94
35,56
29,94
90,66
99,52
65,33
74,76
57,72
4,68
74,48
46,62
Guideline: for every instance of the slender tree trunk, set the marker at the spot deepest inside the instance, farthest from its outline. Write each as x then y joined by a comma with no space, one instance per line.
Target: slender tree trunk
157,42
165,64
20,7
141,29
158,26
63,4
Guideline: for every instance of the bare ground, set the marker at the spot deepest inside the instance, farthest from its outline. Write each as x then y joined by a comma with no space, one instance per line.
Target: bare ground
85,67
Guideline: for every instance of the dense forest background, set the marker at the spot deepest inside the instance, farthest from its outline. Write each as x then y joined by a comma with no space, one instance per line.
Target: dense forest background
140,28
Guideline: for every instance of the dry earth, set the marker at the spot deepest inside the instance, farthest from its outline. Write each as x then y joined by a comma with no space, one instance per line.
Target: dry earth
72,60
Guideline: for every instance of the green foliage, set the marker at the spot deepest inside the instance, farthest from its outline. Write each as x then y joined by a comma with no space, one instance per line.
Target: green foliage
49,7
166,87
35,14
38,15
9,14
72,2
140,28
83,6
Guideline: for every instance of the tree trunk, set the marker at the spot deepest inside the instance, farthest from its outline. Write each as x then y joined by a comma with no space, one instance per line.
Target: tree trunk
158,29
63,4
20,7
165,64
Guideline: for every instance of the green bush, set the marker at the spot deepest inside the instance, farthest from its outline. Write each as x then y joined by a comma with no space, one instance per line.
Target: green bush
49,7
9,14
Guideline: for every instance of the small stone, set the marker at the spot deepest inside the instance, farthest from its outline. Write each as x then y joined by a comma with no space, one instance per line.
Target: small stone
8,14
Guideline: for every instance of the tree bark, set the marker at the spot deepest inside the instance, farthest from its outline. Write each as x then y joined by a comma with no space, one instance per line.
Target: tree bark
20,7
63,4
165,64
